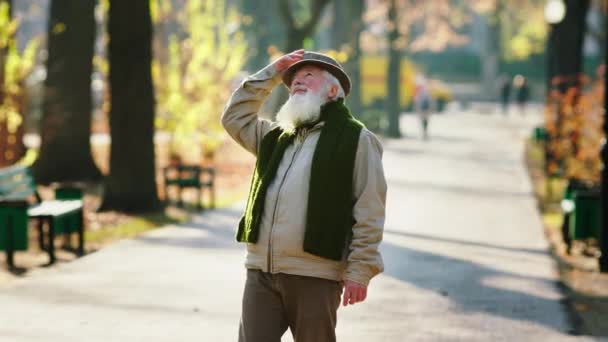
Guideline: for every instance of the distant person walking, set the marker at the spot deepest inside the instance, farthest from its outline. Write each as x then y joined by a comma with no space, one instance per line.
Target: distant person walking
523,92
505,93
422,103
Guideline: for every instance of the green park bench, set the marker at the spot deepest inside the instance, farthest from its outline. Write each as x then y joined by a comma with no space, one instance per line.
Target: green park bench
190,176
582,214
62,216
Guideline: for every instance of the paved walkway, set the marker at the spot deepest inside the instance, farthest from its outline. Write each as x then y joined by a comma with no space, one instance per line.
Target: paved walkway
464,252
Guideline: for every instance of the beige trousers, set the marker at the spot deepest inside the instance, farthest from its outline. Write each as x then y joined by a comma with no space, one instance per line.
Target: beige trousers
274,302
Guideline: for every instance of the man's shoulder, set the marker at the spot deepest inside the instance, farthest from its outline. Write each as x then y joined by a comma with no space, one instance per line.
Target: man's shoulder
367,134
370,140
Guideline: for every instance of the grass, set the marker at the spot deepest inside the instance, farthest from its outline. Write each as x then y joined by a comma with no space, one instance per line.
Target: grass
551,190
136,225
133,227
553,220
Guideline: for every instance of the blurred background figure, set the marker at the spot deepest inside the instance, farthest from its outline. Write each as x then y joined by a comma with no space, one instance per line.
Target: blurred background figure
505,93
422,103
523,92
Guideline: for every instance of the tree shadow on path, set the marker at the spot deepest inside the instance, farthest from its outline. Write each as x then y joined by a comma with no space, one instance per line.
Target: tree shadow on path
471,287
467,243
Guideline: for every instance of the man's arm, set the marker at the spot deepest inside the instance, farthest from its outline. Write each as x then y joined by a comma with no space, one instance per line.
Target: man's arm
364,259
240,114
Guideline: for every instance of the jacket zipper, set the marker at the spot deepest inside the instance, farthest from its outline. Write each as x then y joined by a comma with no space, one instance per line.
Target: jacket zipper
276,204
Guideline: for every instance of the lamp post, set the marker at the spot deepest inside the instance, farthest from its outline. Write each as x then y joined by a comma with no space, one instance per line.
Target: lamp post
555,11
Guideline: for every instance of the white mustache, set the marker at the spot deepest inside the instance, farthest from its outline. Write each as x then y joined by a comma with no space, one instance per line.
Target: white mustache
297,88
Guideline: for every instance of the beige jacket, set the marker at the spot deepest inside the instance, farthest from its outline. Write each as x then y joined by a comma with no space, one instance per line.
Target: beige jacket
279,247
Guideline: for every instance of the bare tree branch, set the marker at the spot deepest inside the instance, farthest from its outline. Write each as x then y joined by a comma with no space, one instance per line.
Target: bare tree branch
315,15
285,11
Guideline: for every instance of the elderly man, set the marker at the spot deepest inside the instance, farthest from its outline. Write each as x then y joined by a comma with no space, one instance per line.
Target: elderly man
315,213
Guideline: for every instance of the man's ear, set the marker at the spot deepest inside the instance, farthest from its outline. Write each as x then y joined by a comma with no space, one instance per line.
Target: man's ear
333,91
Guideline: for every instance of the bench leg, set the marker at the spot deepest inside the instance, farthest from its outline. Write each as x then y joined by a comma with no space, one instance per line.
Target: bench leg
51,240
168,199
566,233
40,227
199,202
212,196
81,232
67,235
180,202
9,243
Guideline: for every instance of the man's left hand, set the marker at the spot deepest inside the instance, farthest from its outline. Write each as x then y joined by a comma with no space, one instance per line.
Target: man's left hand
353,293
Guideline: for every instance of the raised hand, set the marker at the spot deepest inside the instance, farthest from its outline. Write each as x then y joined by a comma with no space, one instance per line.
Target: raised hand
288,60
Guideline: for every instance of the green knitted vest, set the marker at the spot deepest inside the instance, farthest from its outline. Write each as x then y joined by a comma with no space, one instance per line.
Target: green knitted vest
330,203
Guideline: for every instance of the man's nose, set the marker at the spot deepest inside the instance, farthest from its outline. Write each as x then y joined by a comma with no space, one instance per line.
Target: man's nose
296,82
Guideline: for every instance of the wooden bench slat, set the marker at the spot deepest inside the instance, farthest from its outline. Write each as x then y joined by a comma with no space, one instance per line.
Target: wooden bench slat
54,208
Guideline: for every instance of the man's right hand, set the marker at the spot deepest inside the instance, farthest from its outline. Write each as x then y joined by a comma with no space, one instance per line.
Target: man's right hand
288,60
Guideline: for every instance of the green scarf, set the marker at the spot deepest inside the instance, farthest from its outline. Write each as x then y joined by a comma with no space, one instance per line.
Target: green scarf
330,205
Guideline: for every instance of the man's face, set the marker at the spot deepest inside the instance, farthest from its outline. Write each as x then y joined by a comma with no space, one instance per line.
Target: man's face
307,78
309,90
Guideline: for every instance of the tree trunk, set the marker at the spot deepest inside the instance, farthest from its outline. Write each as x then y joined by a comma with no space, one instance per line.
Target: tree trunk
11,143
565,69
550,60
568,41
295,39
65,150
346,29
262,29
297,34
491,53
394,72
131,185
603,260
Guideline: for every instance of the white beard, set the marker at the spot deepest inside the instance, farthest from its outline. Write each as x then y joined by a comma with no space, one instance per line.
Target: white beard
300,109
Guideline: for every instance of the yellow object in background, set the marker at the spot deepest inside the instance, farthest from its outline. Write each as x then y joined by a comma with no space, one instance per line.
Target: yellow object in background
374,79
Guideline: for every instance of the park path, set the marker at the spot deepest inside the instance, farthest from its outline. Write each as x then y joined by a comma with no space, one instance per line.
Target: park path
464,251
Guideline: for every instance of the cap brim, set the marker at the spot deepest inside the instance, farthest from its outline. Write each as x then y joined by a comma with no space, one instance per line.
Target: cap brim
332,69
